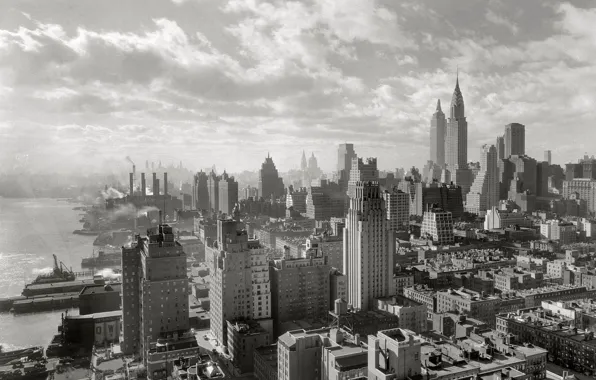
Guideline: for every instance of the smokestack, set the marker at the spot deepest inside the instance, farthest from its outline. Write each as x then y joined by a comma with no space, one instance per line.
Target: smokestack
143,185
154,182
156,191
131,183
165,183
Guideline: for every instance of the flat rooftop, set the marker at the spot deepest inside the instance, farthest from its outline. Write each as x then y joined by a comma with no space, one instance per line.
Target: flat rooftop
101,289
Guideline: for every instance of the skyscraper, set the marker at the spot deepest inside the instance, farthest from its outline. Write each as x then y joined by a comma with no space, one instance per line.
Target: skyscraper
515,140
200,192
155,301
345,155
437,136
456,138
240,286
362,171
368,248
228,194
500,148
213,189
548,156
484,193
270,184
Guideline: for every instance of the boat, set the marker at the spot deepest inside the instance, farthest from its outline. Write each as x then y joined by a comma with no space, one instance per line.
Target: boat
86,232
8,356
60,273
103,259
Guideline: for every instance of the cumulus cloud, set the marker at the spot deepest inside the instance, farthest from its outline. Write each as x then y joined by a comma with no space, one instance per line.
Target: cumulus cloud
251,76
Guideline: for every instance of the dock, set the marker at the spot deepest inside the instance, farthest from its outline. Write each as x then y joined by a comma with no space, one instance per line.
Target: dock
56,287
22,304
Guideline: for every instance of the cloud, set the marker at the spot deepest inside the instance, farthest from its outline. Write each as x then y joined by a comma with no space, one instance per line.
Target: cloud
238,78
496,19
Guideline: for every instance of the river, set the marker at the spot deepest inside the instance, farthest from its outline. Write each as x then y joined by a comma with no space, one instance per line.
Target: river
31,230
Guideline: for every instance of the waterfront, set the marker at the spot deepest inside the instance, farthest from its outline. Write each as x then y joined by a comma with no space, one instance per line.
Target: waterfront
31,230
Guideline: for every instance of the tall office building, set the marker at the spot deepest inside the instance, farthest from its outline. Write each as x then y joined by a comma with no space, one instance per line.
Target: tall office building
500,148
456,137
213,190
155,301
270,183
345,155
397,204
548,156
484,193
200,192
515,140
240,286
437,136
362,171
368,248
437,225
228,194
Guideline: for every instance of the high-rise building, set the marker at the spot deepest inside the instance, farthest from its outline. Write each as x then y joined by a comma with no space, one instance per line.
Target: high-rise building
437,225
548,156
515,139
368,248
155,301
437,136
228,194
303,164
500,148
484,193
270,183
345,155
397,204
200,192
213,190
324,201
362,171
456,137
299,289
240,286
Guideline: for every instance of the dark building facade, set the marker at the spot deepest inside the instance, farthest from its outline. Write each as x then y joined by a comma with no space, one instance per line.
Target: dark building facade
200,192
99,298
271,185
228,194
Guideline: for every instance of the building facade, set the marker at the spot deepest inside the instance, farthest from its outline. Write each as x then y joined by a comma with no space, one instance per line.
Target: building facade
437,136
369,246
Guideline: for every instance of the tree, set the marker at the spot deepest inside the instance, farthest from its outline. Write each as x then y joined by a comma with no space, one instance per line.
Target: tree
415,173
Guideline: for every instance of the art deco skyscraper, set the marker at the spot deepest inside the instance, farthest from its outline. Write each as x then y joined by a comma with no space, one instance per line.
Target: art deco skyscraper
437,136
456,138
271,185
368,248
515,139
228,194
484,193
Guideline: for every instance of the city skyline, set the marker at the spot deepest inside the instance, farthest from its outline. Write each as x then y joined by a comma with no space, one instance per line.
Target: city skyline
207,77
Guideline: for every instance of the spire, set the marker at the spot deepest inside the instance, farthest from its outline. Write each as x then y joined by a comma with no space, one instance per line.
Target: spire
457,76
457,101
439,105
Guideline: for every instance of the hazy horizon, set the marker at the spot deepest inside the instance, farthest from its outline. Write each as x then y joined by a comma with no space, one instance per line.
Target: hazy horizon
225,82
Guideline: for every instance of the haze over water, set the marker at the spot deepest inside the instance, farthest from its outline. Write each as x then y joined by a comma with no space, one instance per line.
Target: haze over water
31,230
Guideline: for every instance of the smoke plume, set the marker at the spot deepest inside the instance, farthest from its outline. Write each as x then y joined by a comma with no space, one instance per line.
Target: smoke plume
109,274
129,160
111,193
38,271
130,211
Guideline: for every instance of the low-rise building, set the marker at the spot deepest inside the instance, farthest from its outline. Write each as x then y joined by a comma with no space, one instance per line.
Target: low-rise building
473,304
411,314
265,358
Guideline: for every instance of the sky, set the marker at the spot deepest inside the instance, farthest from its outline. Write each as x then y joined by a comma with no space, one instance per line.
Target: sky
225,82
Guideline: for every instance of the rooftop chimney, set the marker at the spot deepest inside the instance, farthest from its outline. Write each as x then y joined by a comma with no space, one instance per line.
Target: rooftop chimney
143,185
165,183
131,184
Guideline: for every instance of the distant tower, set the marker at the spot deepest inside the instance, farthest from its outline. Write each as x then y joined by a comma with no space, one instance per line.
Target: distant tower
548,156
500,148
515,140
303,164
456,139
345,155
271,185
484,193
437,136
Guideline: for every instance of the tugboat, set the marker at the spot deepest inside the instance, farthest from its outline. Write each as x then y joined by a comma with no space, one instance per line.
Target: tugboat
60,274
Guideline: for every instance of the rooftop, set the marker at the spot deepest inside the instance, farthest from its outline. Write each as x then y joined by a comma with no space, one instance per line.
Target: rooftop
101,289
